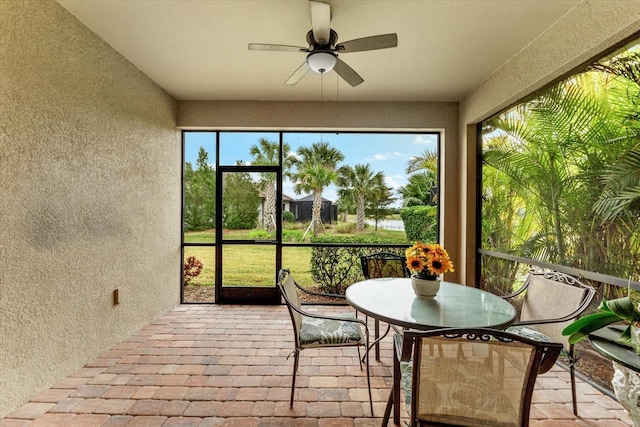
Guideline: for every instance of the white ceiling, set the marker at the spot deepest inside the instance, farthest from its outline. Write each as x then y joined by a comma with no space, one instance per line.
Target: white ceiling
197,49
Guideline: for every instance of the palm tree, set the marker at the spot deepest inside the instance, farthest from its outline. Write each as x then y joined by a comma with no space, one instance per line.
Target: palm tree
418,190
267,153
424,168
346,204
553,151
315,170
427,161
622,179
361,183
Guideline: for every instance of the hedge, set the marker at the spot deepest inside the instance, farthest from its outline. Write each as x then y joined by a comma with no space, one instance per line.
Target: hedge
334,268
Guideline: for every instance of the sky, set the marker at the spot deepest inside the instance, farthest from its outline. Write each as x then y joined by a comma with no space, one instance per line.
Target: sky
387,153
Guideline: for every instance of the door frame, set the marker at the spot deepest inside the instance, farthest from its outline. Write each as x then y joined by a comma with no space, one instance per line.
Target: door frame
247,294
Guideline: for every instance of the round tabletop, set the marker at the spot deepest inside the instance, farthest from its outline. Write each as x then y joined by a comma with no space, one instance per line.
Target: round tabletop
392,300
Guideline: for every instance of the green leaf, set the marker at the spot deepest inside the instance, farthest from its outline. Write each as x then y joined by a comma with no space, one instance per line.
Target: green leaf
582,327
622,307
625,338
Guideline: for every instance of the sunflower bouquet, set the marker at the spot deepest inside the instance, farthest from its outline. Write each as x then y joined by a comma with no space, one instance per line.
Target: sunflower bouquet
427,261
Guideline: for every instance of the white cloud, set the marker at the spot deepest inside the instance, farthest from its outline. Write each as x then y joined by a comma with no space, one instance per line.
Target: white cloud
330,194
390,182
287,188
420,139
386,156
395,181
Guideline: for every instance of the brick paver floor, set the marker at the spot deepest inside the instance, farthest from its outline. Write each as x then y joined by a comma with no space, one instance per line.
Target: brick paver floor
215,365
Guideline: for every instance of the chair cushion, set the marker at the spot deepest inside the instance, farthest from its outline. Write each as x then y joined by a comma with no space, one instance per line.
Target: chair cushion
532,334
325,332
406,377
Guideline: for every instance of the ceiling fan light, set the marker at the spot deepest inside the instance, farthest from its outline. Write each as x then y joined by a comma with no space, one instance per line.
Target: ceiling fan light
321,62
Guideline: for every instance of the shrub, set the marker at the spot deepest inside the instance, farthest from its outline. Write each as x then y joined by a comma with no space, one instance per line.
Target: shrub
192,268
287,235
260,235
334,268
346,228
288,216
420,223
291,235
294,226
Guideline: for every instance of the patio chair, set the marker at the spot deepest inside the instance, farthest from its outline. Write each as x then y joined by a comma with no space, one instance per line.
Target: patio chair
378,265
550,301
314,330
467,377
384,264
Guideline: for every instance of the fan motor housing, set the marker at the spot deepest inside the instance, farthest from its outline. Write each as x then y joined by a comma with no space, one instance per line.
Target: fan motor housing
333,38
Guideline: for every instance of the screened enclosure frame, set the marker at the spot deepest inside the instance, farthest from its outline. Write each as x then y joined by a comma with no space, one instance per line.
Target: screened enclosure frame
268,294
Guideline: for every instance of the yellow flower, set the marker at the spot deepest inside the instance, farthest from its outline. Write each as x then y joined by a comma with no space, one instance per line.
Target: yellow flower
431,259
415,263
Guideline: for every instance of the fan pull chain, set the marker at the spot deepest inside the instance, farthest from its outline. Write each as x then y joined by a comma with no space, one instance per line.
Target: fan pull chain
321,107
337,93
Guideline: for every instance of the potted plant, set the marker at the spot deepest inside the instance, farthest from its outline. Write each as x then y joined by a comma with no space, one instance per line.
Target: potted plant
427,262
610,311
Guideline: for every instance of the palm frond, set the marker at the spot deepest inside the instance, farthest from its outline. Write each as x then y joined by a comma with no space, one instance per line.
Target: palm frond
621,186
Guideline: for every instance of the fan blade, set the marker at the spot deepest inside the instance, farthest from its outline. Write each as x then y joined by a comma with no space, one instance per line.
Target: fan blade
298,74
320,21
347,73
382,41
276,47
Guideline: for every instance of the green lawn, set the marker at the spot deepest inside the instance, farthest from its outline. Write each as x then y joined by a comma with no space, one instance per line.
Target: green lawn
250,265
253,265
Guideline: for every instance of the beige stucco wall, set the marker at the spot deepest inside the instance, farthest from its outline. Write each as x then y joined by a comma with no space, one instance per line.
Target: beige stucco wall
358,116
89,198
587,30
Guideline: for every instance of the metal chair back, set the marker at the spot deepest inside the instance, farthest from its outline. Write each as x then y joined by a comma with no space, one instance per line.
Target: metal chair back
384,264
474,377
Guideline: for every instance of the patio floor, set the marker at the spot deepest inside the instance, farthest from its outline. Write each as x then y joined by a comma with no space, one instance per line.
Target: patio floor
215,365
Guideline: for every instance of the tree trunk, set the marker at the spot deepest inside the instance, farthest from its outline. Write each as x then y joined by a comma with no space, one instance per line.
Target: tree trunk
315,213
360,213
558,229
555,211
269,219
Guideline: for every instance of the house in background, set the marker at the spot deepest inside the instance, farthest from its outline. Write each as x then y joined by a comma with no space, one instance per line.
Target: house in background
287,205
303,210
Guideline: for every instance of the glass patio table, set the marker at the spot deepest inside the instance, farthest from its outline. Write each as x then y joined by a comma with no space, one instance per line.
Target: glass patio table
393,301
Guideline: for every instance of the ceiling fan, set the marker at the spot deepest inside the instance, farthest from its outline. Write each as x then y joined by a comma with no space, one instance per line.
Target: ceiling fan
323,50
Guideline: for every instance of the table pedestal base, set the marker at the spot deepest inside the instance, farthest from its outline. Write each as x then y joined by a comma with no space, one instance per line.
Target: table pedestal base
626,386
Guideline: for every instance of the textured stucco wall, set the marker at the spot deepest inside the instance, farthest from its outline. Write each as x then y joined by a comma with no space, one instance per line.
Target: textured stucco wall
89,198
590,28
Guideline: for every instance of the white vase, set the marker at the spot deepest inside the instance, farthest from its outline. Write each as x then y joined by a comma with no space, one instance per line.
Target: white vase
425,287
626,386
635,336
